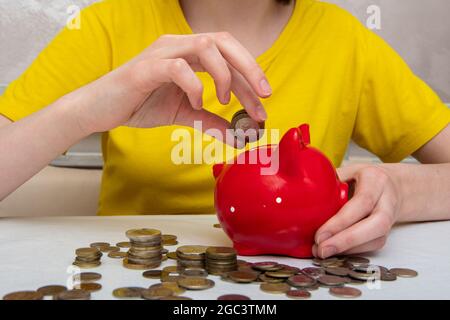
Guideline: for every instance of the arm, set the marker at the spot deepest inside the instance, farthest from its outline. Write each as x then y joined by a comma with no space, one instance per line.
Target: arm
159,87
386,194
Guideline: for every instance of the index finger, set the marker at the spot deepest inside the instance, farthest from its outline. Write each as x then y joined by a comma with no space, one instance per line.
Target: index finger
239,57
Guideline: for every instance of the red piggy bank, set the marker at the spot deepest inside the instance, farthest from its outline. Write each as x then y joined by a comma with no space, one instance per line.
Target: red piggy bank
272,199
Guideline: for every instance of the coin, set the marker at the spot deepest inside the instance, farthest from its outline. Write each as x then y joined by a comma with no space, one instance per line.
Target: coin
217,225
387,276
194,272
152,274
117,255
195,252
24,295
313,272
143,235
175,298
329,262
246,129
404,272
99,245
86,265
275,287
135,266
110,249
221,252
331,281
87,252
345,292
171,269
264,278
298,294
266,266
87,276
233,297
123,244
176,289
168,237
356,261
363,276
337,271
51,290
282,273
75,294
156,293
242,276
128,292
172,255
301,281
88,286
196,283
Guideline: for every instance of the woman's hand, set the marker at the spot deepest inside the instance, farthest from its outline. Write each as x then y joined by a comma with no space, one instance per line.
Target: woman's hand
159,87
363,224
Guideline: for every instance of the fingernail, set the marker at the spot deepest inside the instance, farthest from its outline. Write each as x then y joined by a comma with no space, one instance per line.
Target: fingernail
328,251
323,236
261,113
265,87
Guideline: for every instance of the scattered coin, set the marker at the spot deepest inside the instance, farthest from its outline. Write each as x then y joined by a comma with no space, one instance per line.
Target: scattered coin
128,292
117,255
331,281
123,244
356,261
217,225
86,277
196,283
88,286
176,289
172,255
275,287
313,272
75,294
233,297
298,294
242,276
110,249
301,281
194,272
152,274
99,245
51,290
24,295
264,278
404,273
345,292
175,298
266,266
337,271
156,293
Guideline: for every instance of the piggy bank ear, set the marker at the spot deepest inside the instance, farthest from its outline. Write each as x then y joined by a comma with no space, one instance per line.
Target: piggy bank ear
217,169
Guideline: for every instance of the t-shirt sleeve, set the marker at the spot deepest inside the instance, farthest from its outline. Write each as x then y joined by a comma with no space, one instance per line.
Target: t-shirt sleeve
74,58
398,112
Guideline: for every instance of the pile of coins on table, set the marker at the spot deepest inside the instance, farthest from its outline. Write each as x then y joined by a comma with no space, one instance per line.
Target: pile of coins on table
195,263
220,260
87,257
191,256
145,249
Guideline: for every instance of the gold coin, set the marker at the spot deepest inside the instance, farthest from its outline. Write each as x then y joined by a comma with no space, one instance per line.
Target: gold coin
262,277
88,286
172,255
195,283
99,245
152,274
142,235
128,292
221,252
194,272
156,293
87,276
404,273
355,261
266,266
75,294
177,290
168,237
171,269
86,265
217,225
123,244
24,295
275,287
345,292
87,252
117,255
280,273
192,250
134,266
110,249
298,294
51,290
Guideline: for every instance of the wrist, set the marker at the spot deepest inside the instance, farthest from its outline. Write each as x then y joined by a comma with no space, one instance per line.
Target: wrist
396,173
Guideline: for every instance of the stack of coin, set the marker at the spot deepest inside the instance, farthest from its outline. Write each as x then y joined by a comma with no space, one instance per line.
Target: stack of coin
87,257
191,256
145,249
220,260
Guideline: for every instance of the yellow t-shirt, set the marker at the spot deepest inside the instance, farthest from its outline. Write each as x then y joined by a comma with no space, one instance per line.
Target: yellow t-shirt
326,69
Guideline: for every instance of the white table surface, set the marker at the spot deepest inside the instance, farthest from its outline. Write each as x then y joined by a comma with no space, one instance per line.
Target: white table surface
39,251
